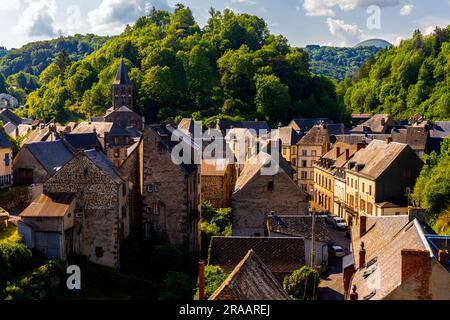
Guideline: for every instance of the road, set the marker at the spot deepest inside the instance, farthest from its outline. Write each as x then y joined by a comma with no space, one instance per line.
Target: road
331,286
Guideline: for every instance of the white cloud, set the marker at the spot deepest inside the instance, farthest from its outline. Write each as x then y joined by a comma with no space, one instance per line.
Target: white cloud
113,15
407,9
38,19
7,5
327,7
348,34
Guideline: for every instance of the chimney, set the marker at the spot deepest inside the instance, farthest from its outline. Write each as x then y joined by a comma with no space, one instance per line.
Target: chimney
354,294
416,213
362,226
388,140
347,154
338,152
201,280
362,256
416,267
443,258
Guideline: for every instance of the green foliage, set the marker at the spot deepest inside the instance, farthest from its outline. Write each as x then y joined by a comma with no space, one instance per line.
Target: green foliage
230,67
302,284
214,277
176,286
405,80
2,84
40,282
215,222
15,259
432,189
338,63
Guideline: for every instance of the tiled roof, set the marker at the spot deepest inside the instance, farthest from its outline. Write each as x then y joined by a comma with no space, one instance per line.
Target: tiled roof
377,157
280,255
102,162
52,155
51,205
9,116
224,125
415,137
387,274
100,128
318,135
250,280
299,226
83,141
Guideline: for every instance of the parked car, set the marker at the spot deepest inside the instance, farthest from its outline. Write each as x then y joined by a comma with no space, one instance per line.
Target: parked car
329,219
340,224
336,251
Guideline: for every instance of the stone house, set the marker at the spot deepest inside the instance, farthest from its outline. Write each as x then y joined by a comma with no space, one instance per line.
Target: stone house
47,225
102,218
6,163
259,192
217,181
250,280
303,125
289,138
171,191
396,258
310,148
37,161
377,124
379,178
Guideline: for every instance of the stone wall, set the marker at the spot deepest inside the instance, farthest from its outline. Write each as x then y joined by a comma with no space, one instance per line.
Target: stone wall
15,200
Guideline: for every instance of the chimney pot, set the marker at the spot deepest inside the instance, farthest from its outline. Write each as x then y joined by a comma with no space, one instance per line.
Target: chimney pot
362,256
354,294
201,280
338,152
388,140
347,154
362,226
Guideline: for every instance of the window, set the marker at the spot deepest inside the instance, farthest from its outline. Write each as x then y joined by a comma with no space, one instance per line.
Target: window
116,153
156,207
351,183
304,175
314,153
317,179
312,175
362,205
369,208
294,162
270,186
304,153
127,140
7,160
116,140
348,181
363,187
117,163
370,190
99,252
304,163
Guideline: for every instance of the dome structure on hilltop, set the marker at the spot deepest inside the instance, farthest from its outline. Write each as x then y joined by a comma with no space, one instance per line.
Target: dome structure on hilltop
379,43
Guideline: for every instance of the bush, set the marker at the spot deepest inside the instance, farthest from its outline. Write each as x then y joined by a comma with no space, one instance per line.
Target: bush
176,286
15,259
214,277
167,258
302,284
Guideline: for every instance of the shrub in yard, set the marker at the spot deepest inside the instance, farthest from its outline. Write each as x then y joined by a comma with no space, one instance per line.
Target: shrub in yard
214,277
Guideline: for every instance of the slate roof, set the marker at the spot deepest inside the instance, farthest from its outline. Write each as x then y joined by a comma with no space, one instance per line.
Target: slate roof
377,157
4,141
49,205
52,155
7,115
83,141
102,162
224,125
387,275
336,128
100,128
37,135
253,167
287,135
441,129
375,124
122,75
351,138
318,135
299,226
339,161
415,137
305,124
250,280
280,255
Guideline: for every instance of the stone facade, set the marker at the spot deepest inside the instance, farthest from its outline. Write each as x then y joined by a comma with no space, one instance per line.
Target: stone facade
217,186
170,193
101,209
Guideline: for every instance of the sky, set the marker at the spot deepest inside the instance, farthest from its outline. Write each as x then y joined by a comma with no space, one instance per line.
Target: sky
302,22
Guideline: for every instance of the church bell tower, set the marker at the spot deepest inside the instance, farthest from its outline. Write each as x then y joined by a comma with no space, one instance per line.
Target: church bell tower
122,89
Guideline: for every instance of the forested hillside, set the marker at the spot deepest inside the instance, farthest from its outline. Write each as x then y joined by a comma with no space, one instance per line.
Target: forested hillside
231,68
412,78
22,67
338,63
3,51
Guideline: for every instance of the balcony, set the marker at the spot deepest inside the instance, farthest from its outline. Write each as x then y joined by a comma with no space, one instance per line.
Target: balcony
5,181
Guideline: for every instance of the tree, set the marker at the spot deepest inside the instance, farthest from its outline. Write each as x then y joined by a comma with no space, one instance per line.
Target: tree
302,284
272,98
214,277
2,84
62,60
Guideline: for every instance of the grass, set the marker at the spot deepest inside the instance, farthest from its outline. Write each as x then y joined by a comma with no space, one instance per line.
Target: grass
9,234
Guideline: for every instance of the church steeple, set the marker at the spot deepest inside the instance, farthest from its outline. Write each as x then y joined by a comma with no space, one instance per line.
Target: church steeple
122,89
